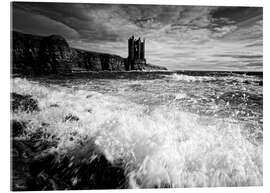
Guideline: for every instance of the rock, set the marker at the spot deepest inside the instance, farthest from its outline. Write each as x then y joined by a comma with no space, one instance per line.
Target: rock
17,128
21,158
34,54
89,110
94,61
54,105
71,118
246,82
25,152
25,53
55,55
35,166
23,102
81,168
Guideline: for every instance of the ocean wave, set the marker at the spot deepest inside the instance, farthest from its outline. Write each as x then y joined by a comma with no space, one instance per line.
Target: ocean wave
164,147
187,78
237,78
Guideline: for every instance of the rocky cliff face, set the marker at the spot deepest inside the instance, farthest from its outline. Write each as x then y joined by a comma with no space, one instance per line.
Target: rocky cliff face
97,61
150,67
32,54
40,55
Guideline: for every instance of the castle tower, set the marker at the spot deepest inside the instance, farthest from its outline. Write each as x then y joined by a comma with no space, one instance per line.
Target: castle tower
136,54
131,48
142,49
139,48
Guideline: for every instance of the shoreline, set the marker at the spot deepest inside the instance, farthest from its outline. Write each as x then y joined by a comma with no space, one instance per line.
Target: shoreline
132,74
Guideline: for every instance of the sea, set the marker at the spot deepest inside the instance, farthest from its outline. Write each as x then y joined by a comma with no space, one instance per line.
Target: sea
176,129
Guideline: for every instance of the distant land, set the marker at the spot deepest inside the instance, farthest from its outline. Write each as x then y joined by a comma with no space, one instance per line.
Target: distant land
39,55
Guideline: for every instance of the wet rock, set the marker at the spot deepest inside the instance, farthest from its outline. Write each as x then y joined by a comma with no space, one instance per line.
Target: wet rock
25,152
246,82
81,168
23,102
89,96
54,105
71,118
45,124
17,128
89,110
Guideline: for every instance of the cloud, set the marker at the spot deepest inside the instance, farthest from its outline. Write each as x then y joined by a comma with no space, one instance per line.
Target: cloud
23,21
178,37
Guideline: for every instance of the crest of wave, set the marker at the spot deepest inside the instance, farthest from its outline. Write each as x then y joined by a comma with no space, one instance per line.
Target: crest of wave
162,147
187,78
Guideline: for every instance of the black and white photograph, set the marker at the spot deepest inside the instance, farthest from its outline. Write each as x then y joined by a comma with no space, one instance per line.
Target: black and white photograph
125,96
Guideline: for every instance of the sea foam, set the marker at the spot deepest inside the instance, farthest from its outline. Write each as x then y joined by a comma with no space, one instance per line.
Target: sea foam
161,147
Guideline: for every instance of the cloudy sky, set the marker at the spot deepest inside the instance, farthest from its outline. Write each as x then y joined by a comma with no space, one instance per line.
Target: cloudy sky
177,37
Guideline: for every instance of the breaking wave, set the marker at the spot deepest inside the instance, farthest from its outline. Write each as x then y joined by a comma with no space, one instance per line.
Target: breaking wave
159,147
228,78
187,78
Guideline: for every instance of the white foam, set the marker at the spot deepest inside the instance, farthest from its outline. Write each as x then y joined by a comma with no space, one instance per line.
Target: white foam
163,146
187,78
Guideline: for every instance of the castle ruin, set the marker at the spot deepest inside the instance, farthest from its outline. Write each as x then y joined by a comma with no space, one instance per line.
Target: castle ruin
136,53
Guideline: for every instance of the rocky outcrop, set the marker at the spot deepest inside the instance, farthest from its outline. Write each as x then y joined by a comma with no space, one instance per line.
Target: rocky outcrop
23,103
55,55
94,61
32,54
25,52
38,165
40,55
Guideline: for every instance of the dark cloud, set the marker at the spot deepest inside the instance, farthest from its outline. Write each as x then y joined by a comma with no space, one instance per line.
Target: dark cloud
23,21
73,15
223,15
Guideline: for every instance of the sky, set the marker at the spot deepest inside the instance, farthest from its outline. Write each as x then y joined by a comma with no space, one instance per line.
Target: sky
177,37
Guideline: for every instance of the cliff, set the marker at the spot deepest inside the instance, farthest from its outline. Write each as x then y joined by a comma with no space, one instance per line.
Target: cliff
94,61
33,54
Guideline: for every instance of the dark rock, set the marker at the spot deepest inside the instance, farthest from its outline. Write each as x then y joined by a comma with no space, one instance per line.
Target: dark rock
45,124
89,96
94,61
34,54
71,117
17,128
24,152
246,82
55,55
83,167
54,105
23,102
25,53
